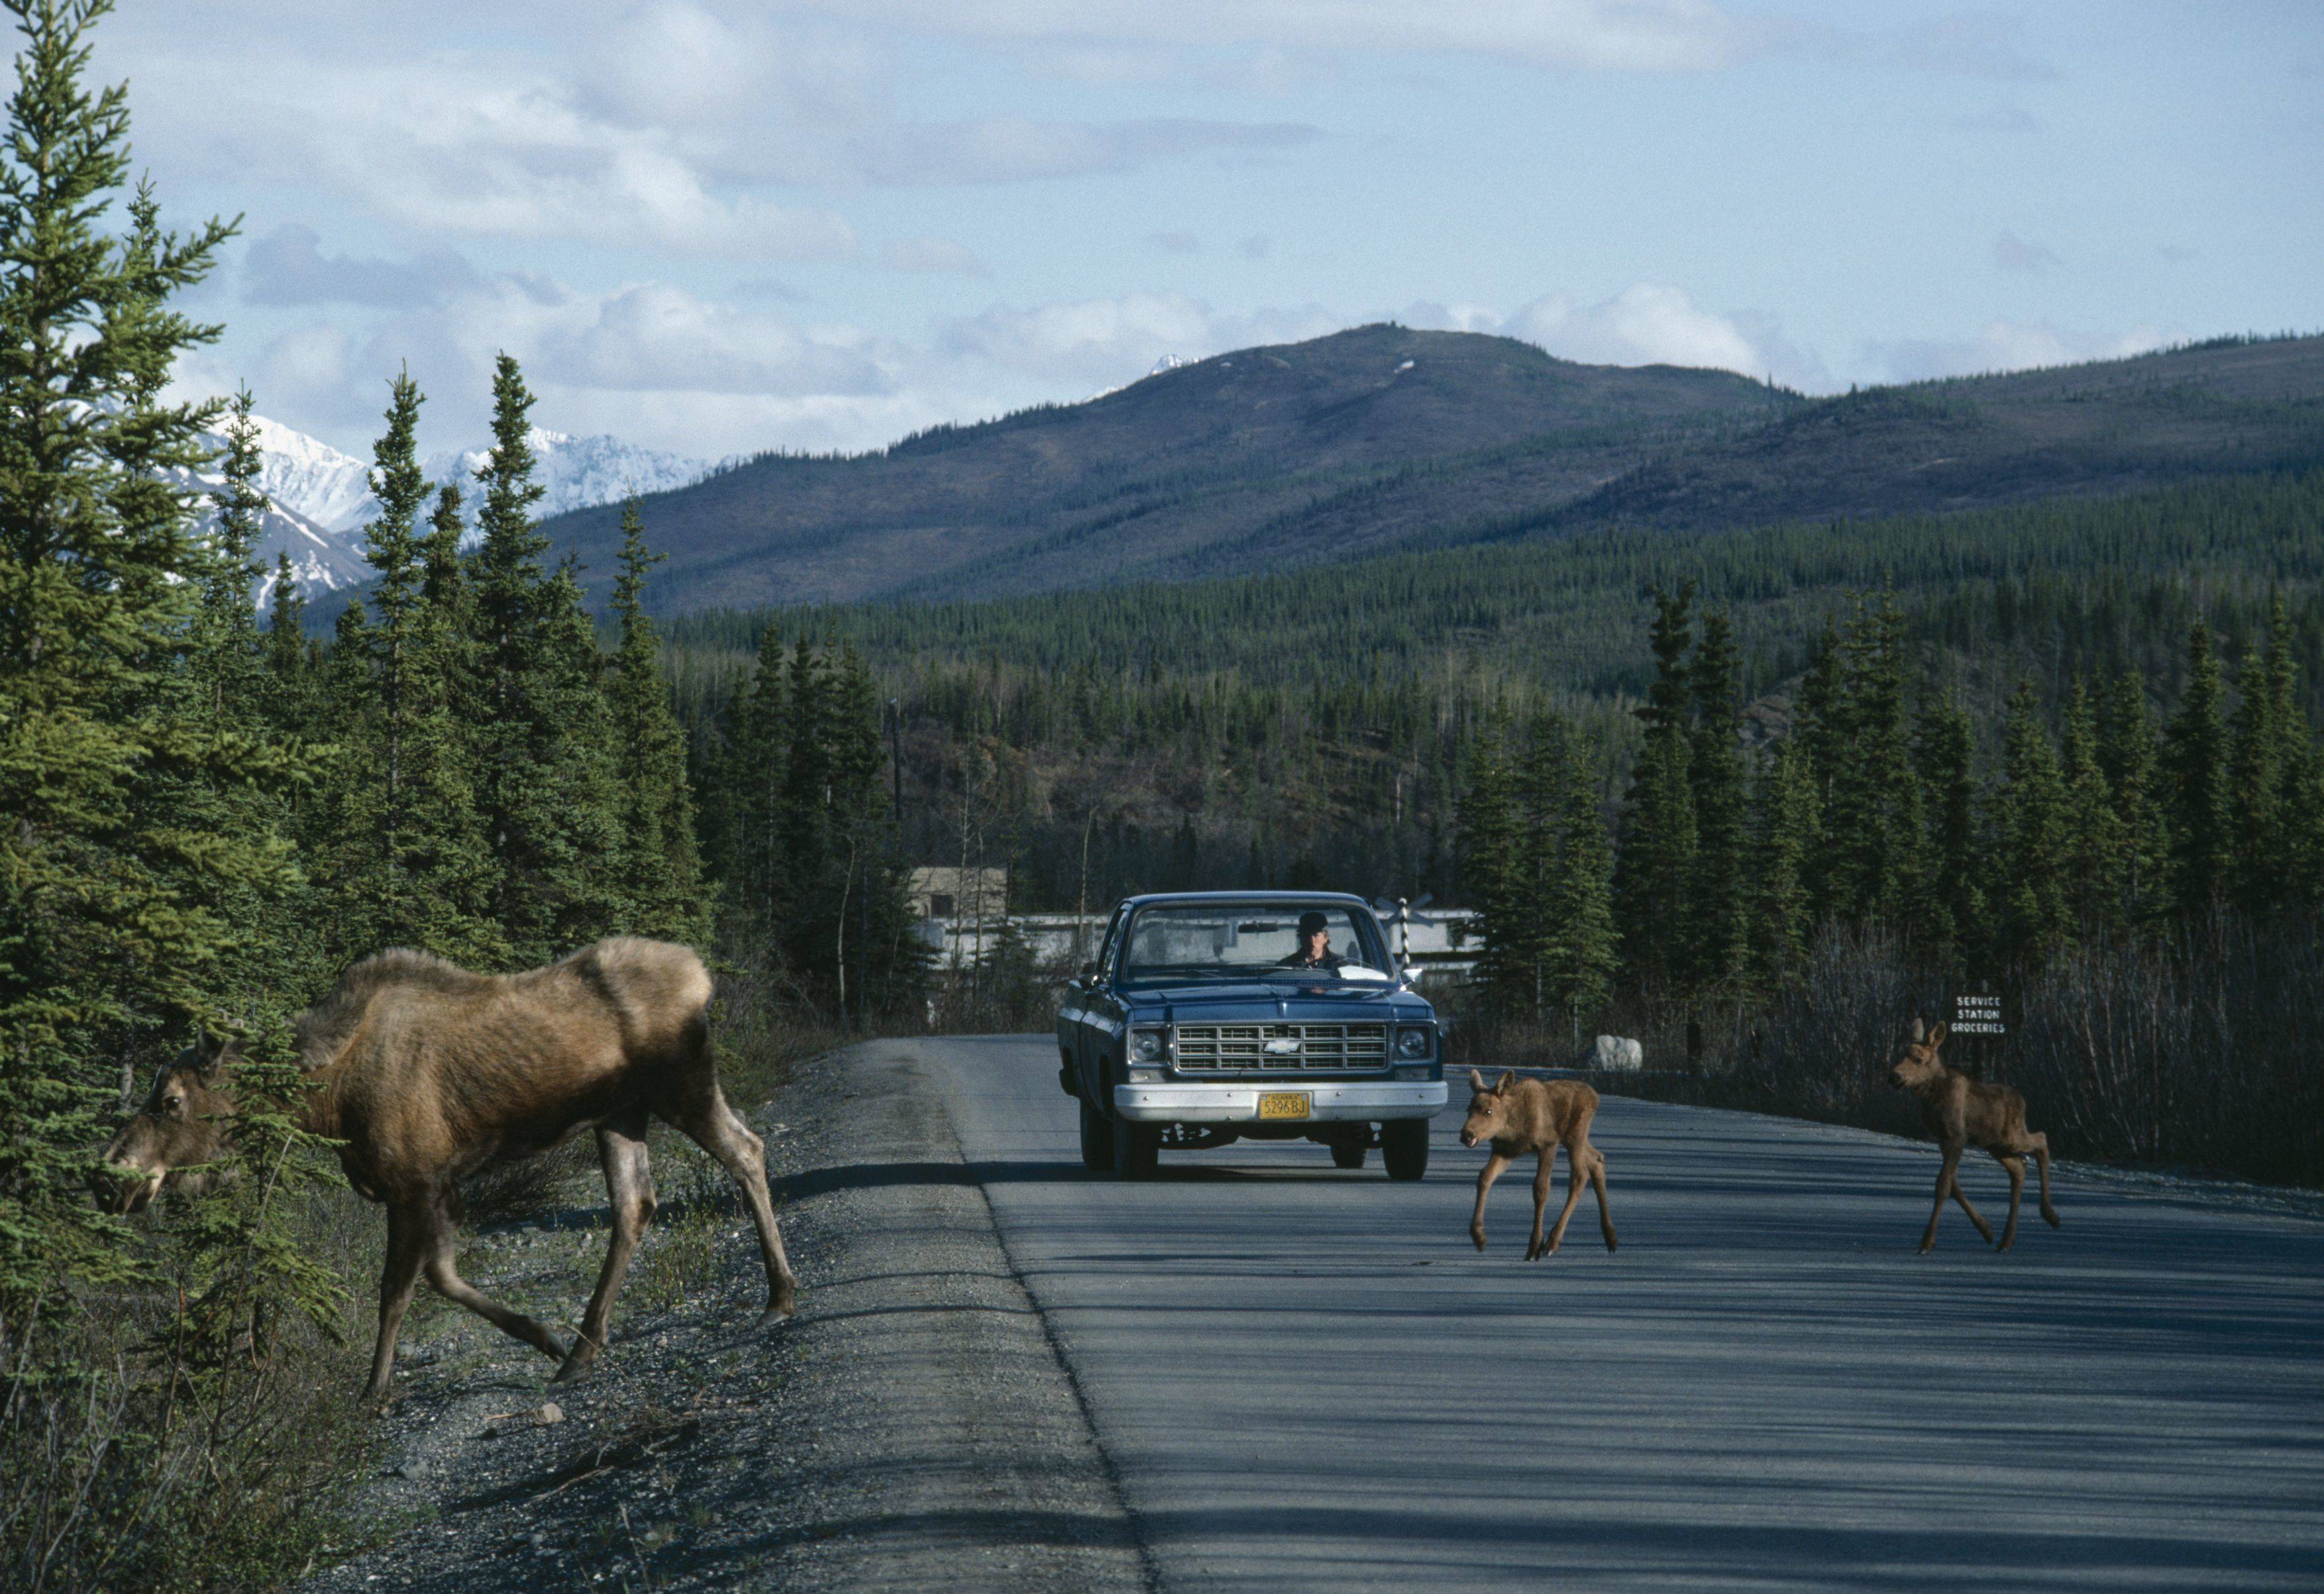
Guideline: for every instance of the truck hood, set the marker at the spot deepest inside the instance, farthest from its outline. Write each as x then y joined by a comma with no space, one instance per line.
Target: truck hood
1257,1002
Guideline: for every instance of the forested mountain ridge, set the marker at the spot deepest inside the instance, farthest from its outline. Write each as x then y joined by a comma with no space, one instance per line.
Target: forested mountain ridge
1383,438
1156,478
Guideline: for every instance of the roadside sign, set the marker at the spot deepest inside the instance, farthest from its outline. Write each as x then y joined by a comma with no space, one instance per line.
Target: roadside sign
1977,1015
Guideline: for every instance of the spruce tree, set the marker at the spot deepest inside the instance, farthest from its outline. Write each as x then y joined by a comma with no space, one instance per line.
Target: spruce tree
751,774
2265,739
1820,732
660,873
2195,775
1952,910
107,931
1718,899
1529,941
2131,761
1785,829
1654,865
2033,917
1489,866
291,668
228,658
1577,905
2094,844
1872,825
404,858
544,785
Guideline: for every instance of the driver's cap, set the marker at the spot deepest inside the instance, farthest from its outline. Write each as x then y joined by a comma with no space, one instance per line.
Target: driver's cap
1311,921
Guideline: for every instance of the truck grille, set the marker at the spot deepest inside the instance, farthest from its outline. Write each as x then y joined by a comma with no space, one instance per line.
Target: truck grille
1214,1048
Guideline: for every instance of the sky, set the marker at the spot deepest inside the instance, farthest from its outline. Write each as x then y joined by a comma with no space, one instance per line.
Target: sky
718,227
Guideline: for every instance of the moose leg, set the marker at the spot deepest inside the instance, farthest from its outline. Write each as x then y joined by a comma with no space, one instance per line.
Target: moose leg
2015,1167
720,1130
1574,1176
630,1195
1598,1187
440,1244
1542,1174
2038,1144
1944,1188
1492,1171
1961,1196
399,1274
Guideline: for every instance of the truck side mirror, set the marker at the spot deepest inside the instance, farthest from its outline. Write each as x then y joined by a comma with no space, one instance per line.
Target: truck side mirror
1087,979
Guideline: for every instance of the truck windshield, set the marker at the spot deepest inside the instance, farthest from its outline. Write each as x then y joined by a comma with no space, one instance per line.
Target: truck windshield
1293,941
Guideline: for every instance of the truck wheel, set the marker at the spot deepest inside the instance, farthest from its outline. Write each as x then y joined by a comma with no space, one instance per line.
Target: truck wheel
1404,1148
1348,1153
1137,1149
1097,1139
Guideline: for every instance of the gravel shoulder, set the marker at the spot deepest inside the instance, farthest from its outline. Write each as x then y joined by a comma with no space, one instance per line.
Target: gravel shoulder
912,1427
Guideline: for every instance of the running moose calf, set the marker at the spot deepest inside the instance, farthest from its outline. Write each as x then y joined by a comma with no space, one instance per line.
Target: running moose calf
429,1074
1960,1112
1537,1115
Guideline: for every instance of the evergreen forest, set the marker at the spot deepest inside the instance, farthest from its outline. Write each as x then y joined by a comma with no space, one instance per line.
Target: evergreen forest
1755,795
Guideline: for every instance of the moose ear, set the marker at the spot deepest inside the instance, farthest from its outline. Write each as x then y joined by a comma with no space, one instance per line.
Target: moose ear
1937,1034
1476,1082
1920,1030
1501,1088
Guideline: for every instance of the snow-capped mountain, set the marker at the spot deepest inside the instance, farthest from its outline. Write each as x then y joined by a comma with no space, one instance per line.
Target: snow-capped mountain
321,498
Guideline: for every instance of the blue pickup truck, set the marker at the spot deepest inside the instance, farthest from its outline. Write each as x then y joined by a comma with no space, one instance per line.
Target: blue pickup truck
1208,1017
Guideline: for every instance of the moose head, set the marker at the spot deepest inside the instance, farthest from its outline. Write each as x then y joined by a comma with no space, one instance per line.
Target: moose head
1489,1109
1918,1062
177,1134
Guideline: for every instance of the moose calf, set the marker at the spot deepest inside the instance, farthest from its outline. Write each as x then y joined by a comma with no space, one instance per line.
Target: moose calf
1960,1112
1537,1115
428,1073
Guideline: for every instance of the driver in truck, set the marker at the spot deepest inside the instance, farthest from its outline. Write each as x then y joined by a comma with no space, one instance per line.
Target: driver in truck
1314,945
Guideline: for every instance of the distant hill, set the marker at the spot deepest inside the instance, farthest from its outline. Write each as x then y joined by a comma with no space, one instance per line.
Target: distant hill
1192,470
1383,438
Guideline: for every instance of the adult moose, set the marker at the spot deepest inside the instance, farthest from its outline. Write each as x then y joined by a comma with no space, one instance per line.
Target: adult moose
428,1073
1960,1112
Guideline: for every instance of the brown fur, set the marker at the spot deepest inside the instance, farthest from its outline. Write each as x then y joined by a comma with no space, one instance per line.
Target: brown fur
429,1074
1960,1112
1538,1116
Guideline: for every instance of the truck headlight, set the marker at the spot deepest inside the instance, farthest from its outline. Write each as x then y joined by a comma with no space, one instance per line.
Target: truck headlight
1413,1044
1146,1046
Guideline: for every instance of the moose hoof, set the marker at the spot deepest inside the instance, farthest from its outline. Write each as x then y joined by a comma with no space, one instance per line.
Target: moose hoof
575,1369
2052,1220
774,1317
1478,1238
1927,1245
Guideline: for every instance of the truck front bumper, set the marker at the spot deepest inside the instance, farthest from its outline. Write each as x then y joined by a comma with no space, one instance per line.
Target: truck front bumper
1330,1101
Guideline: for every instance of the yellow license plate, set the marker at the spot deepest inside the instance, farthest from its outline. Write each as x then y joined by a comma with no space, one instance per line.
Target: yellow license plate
1286,1104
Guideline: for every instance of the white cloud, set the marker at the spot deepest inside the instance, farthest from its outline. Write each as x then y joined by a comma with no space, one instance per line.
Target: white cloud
1104,342
1594,35
932,255
1646,323
2004,345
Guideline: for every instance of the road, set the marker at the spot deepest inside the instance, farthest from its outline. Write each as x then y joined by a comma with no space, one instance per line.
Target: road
1306,1377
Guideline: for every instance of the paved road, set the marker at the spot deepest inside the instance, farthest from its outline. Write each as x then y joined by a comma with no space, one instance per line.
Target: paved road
1306,1377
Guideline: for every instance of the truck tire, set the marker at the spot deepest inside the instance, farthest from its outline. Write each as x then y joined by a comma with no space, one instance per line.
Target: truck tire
1349,1154
1137,1149
1404,1148
1097,1139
